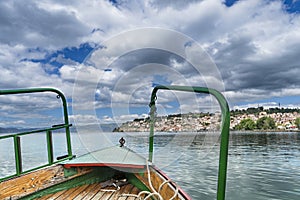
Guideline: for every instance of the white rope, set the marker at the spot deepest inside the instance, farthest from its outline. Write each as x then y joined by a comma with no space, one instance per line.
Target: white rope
176,188
139,196
154,192
150,183
111,190
106,190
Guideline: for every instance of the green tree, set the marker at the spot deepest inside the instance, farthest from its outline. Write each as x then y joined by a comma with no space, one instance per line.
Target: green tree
297,122
246,124
266,123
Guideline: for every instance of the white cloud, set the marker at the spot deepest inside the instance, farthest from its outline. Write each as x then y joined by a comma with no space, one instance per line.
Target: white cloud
122,118
33,25
254,43
81,120
12,123
84,119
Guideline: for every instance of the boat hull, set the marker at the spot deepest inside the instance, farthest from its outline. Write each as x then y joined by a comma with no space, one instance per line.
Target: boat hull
92,182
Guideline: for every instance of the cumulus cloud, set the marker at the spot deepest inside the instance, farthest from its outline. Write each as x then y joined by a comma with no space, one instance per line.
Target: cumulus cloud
122,118
254,44
34,24
258,54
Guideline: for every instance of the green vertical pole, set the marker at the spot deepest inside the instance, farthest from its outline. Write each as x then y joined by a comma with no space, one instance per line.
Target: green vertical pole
152,123
222,173
223,158
66,118
151,137
49,147
65,109
18,156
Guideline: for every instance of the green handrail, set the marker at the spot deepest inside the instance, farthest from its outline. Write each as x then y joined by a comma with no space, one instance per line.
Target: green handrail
223,157
16,137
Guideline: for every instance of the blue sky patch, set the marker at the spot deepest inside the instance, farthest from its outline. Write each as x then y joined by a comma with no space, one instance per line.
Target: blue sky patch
291,6
76,54
230,2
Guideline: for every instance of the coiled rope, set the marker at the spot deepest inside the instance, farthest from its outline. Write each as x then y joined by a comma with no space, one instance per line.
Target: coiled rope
154,192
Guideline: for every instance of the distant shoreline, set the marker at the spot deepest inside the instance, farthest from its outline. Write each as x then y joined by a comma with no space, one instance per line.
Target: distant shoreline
209,131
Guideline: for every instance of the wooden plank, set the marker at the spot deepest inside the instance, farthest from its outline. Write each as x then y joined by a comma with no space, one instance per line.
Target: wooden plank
133,191
35,181
167,190
55,195
77,191
116,194
92,192
126,190
98,195
86,191
105,196
45,197
66,194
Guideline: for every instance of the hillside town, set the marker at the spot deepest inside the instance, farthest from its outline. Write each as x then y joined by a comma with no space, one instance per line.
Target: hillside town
192,122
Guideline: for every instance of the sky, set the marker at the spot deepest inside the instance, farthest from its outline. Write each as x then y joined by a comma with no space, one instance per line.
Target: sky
106,56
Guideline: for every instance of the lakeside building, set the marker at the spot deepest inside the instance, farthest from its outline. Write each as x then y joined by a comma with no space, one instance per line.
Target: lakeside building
193,122
283,121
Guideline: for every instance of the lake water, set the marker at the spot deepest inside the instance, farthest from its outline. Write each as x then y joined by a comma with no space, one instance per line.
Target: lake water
260,165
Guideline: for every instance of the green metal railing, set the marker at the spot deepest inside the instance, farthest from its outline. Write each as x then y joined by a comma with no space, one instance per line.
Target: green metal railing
223,157
17,137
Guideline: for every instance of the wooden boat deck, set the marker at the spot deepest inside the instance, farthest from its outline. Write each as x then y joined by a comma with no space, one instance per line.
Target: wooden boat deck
93,192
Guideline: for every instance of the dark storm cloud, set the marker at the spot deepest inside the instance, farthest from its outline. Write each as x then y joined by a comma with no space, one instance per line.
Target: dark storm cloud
26,23
145,56
243,67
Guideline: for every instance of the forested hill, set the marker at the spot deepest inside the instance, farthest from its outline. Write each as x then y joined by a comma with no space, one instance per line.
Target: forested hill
248,119
261,108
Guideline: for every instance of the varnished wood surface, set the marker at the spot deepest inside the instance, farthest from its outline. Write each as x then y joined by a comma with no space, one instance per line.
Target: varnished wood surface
41,179
167,191
35,181
93,192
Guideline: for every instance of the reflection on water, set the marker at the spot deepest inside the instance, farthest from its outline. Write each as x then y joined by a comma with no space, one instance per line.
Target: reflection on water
264,166
261,165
